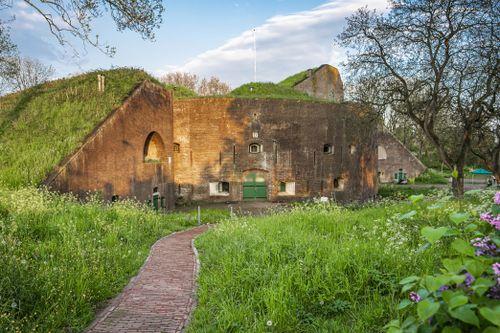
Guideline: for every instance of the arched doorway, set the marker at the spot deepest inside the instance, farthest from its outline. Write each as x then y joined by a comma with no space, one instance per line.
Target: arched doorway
154,149
254,185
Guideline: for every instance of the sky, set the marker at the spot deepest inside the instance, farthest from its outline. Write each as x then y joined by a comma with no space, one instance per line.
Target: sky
206,38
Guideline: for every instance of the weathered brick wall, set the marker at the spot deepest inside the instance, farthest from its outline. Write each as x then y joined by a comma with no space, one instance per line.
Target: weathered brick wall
397,157
111,160
214,135
324,83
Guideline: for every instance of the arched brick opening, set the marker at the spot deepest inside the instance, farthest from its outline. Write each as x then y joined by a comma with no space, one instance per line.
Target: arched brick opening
154,148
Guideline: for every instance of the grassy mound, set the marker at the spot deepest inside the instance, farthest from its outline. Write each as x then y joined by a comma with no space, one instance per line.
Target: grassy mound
42,125
181,91
292,80
318,268
268,90
61,259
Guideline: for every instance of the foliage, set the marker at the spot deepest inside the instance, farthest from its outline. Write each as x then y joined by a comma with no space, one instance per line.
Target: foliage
432,176
26,73
403,192
316,268
181,91
424,54
292,80
268,90
464,296
42,125
191,83
61,259
68,20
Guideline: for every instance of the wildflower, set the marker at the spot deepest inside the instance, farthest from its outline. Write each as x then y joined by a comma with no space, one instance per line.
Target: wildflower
493,220
494,292
496,267
469,279
414,297
443,288
13,305
484,246
269,323
321,302
497,198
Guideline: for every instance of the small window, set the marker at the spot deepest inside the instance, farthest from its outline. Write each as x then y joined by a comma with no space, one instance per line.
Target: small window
382,153
177,147
255,148
219,188
287,188
338,184
115,198
352,149
327,149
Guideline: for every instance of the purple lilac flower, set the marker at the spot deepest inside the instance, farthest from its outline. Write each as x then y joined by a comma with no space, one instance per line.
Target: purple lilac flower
484,246
443,288
496,267
493,220
414,297
469,279
497,198
494,292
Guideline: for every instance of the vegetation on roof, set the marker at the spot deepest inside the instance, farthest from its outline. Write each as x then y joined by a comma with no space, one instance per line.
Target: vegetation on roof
42,125
292,80
268,90
181,91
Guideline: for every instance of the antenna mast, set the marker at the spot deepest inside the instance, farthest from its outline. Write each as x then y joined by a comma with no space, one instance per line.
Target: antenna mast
255,57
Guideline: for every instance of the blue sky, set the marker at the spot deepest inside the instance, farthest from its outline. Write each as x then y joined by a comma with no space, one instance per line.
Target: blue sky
208,38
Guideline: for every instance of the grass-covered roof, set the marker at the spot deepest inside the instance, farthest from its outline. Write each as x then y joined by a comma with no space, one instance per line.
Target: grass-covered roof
42,125
268,90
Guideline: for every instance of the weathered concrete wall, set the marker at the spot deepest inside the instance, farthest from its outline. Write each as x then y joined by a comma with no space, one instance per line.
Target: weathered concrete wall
111,160
397,156
324,83
214,134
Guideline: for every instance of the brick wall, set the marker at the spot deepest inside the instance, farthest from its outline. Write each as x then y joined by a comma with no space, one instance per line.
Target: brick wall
397,157
111,161
214,135
324,83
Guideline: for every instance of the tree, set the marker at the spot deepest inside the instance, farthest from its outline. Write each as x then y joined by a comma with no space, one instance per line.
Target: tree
205,87
435,62
213,86
486,146
26,73
187,80
73,19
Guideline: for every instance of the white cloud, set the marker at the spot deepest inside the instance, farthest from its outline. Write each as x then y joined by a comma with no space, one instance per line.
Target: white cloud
285,44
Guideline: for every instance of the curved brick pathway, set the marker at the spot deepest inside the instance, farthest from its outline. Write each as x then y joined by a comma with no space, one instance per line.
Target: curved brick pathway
161,296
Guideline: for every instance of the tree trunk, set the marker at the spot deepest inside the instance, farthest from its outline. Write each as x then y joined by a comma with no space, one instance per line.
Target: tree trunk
457,184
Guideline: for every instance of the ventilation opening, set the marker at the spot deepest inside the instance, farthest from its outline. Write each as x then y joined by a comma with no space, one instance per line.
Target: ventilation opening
327,149
338,184
154,149
352,149
177,148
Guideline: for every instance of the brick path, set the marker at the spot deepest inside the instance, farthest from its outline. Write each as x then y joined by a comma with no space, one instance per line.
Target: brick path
161,297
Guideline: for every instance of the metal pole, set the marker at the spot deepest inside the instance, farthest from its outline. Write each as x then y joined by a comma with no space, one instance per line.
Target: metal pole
255,57
199,215
231,211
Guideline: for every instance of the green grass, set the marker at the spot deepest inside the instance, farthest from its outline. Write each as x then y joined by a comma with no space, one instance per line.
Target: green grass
402,192
181,91
61,259
314,269
268,90
433,176
292,80
42,125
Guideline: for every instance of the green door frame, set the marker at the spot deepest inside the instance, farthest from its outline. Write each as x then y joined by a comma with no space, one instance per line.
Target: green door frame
253,189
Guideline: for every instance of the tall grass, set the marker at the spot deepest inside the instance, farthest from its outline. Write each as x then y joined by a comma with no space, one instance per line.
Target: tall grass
61,259
315,269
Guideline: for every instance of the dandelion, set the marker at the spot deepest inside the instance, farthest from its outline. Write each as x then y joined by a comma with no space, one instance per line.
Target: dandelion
414,297
321,302
269,323
13,305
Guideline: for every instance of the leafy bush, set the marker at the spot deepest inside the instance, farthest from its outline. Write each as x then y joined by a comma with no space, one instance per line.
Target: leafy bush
60,259
402,192
432,176
464,296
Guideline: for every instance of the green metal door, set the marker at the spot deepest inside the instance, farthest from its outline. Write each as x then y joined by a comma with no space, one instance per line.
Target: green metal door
254,186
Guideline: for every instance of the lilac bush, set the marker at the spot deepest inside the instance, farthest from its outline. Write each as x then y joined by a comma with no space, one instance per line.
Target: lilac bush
464,296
